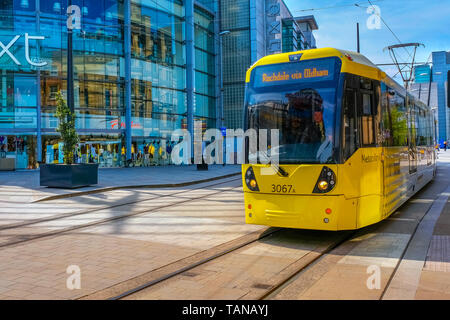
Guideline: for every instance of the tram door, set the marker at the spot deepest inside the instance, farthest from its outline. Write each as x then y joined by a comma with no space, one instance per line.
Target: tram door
412,143
350,141
351,133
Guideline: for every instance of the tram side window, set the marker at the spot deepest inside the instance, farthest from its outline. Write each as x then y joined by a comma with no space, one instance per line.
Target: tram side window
430,123
413,123
422,132
398,119
386,117
349,125
368,134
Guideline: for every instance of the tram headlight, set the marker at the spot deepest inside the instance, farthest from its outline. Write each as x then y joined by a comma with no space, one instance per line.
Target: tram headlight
326,181
250,180
323,185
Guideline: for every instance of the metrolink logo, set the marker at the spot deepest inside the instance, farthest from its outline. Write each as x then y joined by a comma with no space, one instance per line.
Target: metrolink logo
5,49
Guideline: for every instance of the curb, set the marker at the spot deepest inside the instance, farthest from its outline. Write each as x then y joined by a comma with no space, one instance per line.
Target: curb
150,186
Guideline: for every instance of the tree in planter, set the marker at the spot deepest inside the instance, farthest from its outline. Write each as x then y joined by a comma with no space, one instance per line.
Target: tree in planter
66,128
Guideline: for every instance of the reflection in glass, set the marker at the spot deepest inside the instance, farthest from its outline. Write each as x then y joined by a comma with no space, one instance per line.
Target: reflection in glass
304,117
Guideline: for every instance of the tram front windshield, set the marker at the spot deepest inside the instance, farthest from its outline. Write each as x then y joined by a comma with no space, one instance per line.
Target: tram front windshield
302,109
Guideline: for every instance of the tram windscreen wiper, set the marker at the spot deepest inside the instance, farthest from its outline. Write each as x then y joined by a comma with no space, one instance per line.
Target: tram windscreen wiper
279,169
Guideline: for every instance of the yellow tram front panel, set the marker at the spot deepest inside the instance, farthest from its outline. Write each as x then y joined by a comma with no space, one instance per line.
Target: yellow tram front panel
303,212
289,202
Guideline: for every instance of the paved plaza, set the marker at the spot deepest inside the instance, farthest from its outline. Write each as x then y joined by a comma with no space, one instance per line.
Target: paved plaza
23,186
121,238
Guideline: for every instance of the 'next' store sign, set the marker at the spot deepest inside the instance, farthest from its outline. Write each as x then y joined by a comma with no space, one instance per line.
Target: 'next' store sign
11,53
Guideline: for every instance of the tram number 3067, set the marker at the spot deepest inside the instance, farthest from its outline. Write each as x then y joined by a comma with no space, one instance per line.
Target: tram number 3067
285,188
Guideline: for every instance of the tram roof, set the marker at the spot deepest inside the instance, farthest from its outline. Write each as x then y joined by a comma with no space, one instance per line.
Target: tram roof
352,62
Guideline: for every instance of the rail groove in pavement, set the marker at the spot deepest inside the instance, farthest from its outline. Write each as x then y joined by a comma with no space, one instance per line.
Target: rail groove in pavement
143,186
184,265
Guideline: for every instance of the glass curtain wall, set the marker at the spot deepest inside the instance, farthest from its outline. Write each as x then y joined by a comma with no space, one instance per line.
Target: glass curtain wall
235,17
18,85
158,76
293,39
205,46
98,80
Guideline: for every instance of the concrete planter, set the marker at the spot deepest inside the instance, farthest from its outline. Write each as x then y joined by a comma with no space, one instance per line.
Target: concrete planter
7,164
202,167
68,176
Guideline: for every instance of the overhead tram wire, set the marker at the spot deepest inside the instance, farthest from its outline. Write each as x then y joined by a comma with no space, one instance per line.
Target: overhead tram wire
302,10
332,7
384,22
389,28
359,5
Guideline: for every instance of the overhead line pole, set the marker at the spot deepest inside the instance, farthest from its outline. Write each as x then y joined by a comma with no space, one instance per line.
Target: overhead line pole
357,37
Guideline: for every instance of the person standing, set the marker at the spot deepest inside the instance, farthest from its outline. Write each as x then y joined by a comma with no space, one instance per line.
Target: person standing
146,155
151,152
445,145
169,151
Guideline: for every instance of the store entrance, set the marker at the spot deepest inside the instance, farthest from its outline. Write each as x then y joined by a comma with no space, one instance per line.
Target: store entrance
105,153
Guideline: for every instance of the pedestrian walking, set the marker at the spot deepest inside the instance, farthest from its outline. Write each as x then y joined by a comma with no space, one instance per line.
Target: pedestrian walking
445,145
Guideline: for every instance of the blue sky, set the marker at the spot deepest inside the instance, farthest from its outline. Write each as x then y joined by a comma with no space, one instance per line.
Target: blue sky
427,22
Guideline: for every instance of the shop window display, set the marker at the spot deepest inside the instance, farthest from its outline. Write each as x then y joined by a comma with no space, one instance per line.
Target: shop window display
151,152
107,152
21,148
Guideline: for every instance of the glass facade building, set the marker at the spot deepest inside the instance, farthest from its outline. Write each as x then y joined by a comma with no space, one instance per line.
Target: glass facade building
141,69
432,86
110,117
236,58
440,75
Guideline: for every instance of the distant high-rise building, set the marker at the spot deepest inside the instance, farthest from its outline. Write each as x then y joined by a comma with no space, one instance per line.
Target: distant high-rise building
431,85
441,76
422,73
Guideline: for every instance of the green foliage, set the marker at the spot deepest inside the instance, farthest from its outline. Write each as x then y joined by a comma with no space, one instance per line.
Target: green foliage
66,128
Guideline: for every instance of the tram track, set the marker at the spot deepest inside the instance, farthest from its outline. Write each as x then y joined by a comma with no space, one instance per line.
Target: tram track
194,266
266,288
416,246
199,265
19,239
310,259
121,204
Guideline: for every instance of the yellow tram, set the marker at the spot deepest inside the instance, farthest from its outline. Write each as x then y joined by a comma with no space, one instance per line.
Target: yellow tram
353,144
